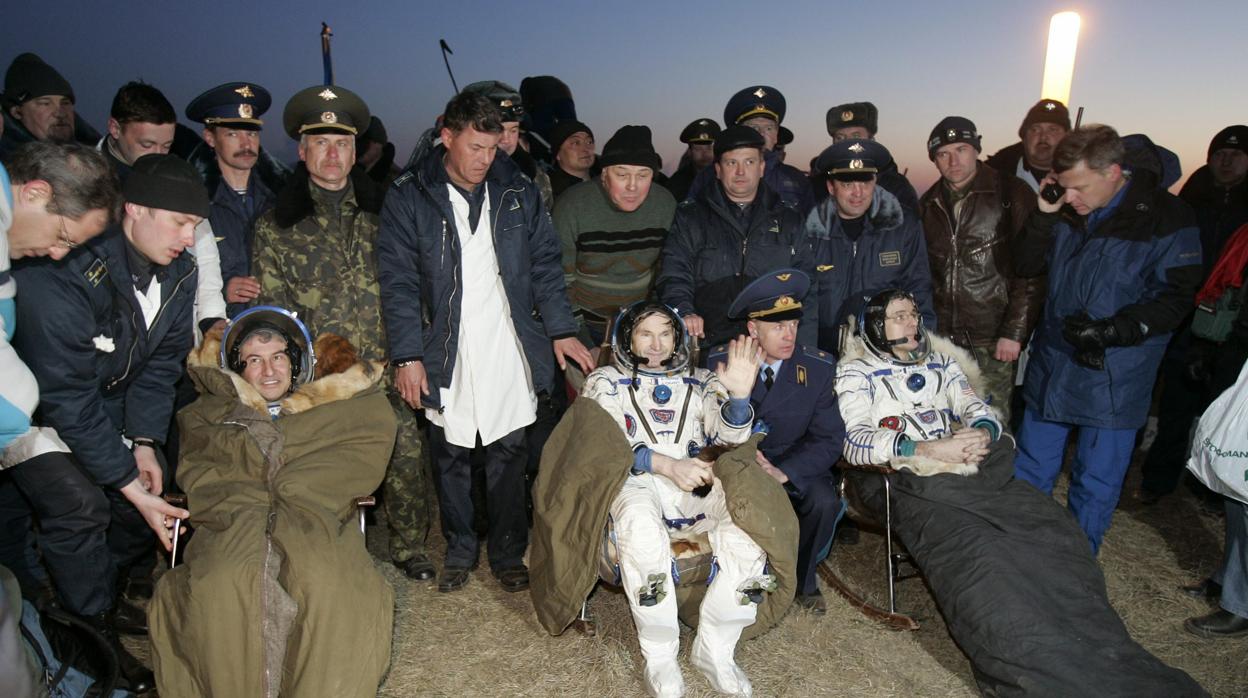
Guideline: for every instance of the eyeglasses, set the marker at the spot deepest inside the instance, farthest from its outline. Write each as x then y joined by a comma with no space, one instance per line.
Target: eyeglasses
65,241
903,316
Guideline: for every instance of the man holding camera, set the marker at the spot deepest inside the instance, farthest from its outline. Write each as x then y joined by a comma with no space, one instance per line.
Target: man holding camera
1123,259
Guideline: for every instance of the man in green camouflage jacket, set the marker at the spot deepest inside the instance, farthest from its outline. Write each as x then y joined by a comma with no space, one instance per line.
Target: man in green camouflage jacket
314,253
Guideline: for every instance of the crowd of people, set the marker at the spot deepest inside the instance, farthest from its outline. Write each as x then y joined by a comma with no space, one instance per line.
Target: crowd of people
175,299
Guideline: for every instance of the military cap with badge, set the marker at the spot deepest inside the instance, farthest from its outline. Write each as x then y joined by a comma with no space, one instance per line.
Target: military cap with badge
862,114
853,160
757,100
234,104
701,131
325,109
504,96
772,297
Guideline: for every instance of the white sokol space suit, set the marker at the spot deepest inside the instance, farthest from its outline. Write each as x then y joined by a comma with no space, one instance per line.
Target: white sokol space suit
886,400
675,413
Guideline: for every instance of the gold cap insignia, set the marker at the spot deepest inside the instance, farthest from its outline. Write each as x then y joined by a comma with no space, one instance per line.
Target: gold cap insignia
1232,140
783,277
703,123
327,94
245,111
505,104
856,148
760,93
704,136
855,164
245,92
329,118
784,301
1050,106
847,115
952,133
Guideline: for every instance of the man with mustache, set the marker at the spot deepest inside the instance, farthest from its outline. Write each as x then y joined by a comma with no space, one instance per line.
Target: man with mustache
240,178
1031,159
39,106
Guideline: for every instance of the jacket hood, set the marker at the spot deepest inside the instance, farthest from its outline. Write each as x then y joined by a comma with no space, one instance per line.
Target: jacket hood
342,384
1143,154
885,214
294,202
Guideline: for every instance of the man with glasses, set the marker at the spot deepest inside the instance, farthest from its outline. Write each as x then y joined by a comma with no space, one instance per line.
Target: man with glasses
105,332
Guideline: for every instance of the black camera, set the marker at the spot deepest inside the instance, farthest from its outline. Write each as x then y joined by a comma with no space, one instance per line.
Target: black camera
1053,192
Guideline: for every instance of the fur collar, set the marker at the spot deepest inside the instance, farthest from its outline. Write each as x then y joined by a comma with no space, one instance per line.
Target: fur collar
856,349
294,202
885,214
326,389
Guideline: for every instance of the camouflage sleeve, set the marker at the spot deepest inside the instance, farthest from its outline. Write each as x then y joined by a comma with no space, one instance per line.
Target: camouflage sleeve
266,266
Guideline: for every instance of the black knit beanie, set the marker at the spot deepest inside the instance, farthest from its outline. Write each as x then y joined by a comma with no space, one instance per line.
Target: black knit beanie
631,145
167,182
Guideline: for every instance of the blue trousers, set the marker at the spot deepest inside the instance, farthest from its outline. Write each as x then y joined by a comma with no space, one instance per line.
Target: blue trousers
1233,574
817,515
1101,460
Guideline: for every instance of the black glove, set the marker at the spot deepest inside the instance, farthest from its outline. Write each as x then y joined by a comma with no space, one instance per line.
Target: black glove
1199,360
1087,334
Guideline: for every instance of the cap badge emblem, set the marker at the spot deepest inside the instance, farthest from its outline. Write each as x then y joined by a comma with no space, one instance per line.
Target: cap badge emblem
784,301
760,93
783,277
245,92
245,111
1049,106
952,134
855,164
505,104
329,118
847,115
1232,140
856,148
327,94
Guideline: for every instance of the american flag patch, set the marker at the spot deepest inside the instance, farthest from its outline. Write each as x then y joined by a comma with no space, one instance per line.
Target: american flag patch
966,388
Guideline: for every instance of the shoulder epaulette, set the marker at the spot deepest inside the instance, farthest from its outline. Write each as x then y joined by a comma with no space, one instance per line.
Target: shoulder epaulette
819,355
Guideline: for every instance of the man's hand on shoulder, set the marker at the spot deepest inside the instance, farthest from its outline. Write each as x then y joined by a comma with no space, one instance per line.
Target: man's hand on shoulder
571,348
695,325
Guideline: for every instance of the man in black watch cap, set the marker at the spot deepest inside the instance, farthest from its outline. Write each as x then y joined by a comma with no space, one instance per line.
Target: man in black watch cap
38,105
1031,159
729,234
105,332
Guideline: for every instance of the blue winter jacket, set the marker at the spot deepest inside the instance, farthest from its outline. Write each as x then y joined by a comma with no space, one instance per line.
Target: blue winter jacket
419,267
102,373
1141,263
787,181
890,253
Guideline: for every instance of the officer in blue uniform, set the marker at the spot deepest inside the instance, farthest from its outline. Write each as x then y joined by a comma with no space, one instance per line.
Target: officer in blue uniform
239,176
794,401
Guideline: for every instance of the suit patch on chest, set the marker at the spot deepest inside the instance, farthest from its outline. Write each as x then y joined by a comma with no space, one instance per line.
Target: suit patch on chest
630,425
892,258
96,273
663,416
893,423
928,416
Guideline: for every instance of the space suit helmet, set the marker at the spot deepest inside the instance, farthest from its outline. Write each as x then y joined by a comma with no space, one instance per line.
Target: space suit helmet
871,328
622,340
279,321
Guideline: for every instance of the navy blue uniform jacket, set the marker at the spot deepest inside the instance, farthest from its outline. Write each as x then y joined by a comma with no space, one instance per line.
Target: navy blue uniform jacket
805,431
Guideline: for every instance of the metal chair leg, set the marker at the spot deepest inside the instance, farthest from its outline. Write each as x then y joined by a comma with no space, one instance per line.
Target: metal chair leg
583,623
888,537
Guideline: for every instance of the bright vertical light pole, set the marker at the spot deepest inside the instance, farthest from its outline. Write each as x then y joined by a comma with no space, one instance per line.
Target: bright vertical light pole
1059,62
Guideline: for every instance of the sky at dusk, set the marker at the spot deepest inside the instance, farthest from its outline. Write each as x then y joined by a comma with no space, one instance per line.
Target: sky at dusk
1173,70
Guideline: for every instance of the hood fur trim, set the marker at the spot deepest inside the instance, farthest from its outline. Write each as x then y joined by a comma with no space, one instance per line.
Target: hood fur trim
326,389
294,201
885,214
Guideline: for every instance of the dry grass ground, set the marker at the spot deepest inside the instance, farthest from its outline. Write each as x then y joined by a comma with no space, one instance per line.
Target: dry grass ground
482,641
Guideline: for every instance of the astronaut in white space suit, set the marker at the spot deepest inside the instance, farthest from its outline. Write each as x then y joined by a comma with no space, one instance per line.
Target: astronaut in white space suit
669,411
903,393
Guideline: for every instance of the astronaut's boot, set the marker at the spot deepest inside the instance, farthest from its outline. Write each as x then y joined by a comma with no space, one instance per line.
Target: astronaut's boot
726,611
658,633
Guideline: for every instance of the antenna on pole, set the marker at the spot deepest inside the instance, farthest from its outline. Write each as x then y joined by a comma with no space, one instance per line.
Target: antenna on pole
327,61
447,50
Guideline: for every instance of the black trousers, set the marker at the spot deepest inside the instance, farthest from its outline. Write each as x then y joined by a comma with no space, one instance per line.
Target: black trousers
17,538
817,515
505,461
86,532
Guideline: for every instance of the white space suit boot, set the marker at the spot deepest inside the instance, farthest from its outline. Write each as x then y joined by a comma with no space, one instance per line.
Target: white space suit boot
725,612
658,633
663,679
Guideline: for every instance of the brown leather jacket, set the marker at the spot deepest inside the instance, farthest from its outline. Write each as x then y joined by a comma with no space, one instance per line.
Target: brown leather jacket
978,298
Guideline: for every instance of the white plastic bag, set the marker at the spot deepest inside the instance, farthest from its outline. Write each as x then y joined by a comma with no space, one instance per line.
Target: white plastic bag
1220,446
